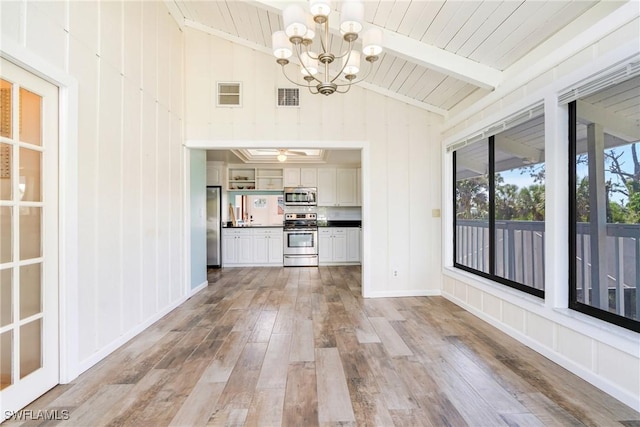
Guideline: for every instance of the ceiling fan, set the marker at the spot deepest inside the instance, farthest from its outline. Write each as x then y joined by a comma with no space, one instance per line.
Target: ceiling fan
283,153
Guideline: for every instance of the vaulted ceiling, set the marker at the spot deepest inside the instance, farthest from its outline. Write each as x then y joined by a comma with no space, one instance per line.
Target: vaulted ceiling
438,55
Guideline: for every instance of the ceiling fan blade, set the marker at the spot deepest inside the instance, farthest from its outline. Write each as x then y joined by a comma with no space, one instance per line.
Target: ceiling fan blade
297,153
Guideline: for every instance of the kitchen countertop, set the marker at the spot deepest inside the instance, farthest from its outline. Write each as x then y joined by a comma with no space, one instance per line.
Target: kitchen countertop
255,226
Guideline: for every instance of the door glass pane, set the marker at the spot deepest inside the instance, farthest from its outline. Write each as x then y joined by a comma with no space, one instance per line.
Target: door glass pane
30,238
5,172
5,234
30,117
30,347
30,290
6,308
472,206
6,359
30,170
5,109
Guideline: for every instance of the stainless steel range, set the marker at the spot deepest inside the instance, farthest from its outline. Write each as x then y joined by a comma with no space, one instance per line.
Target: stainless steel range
300,240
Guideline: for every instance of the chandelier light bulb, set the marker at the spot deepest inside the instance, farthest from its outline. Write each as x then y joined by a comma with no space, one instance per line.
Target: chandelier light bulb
352,62
372,42
352,16
320,8
295,23
282,157
281,45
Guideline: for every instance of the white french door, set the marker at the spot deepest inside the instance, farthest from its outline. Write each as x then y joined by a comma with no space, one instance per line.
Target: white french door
29,354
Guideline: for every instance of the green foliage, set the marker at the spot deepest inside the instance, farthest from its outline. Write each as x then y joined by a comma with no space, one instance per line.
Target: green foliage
472,198
528,203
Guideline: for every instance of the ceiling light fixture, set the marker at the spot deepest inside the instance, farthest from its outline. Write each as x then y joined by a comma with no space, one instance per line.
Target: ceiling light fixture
298,34
281,156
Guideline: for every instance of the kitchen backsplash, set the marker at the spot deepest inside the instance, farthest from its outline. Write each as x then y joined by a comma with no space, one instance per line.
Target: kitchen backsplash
339,213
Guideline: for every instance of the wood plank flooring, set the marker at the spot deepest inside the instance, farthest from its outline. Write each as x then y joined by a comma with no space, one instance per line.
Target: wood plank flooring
300,347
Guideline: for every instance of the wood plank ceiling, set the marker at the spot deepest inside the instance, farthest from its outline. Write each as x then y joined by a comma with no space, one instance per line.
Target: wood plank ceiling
438,55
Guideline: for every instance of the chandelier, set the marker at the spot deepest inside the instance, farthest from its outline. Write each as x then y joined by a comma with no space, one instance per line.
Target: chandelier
298,34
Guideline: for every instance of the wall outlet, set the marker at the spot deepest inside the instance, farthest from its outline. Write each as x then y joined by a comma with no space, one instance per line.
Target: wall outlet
395,273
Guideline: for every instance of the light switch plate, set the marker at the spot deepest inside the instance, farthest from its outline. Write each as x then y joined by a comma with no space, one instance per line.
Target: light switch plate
435,213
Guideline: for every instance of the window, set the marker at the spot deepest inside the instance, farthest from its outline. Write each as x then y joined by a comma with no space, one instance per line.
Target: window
499,207
605,204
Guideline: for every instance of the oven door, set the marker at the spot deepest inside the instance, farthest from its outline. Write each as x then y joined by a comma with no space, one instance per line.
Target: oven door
301,242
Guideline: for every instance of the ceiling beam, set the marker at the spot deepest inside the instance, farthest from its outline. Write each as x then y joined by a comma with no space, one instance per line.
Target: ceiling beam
613,124
518,149
472,165
416,52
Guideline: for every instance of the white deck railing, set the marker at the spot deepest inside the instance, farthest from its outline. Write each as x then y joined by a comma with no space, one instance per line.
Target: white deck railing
520,257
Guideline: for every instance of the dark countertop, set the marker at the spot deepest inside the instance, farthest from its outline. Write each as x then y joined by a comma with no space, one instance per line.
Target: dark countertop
342,223
255,226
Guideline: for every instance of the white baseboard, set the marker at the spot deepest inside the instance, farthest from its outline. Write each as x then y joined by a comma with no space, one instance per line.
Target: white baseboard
198,288
123,339
404,293
603,384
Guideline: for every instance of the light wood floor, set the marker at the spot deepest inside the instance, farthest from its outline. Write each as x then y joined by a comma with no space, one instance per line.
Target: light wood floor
300,347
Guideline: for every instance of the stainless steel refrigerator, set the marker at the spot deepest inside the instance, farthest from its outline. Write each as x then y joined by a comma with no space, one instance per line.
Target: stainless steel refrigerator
214,224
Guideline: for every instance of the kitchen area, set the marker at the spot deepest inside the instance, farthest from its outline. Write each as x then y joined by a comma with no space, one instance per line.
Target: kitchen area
283,215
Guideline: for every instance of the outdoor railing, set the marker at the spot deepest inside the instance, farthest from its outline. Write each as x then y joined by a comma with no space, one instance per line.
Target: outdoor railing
520,257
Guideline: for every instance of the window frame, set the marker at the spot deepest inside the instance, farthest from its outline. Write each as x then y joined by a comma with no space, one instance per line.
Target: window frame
492,228
574,304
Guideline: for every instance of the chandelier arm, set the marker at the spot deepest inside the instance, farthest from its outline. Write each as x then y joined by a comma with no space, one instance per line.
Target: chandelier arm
344,65
297,49
306,48
344,91
348,51
292,81
353,82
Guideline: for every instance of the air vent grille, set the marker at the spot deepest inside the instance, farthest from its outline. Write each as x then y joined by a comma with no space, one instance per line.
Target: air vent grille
288,97
229,94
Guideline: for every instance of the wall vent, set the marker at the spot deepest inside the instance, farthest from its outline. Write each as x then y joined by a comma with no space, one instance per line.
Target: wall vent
288,97
229,94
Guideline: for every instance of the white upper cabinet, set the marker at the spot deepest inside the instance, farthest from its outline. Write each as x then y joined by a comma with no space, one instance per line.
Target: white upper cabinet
359,186
327,187
214,173
337,187
291,177
300,177
346,187
309,177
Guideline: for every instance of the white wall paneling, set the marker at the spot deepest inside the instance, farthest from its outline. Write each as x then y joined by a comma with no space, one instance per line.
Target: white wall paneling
122,189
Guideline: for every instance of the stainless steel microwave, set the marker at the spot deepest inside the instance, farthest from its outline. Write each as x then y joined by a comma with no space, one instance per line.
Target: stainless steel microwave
300,196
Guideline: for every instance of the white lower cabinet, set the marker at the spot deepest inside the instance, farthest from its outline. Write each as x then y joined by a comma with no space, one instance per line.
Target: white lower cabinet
338,245
247,247
267,246
237,246
353,244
